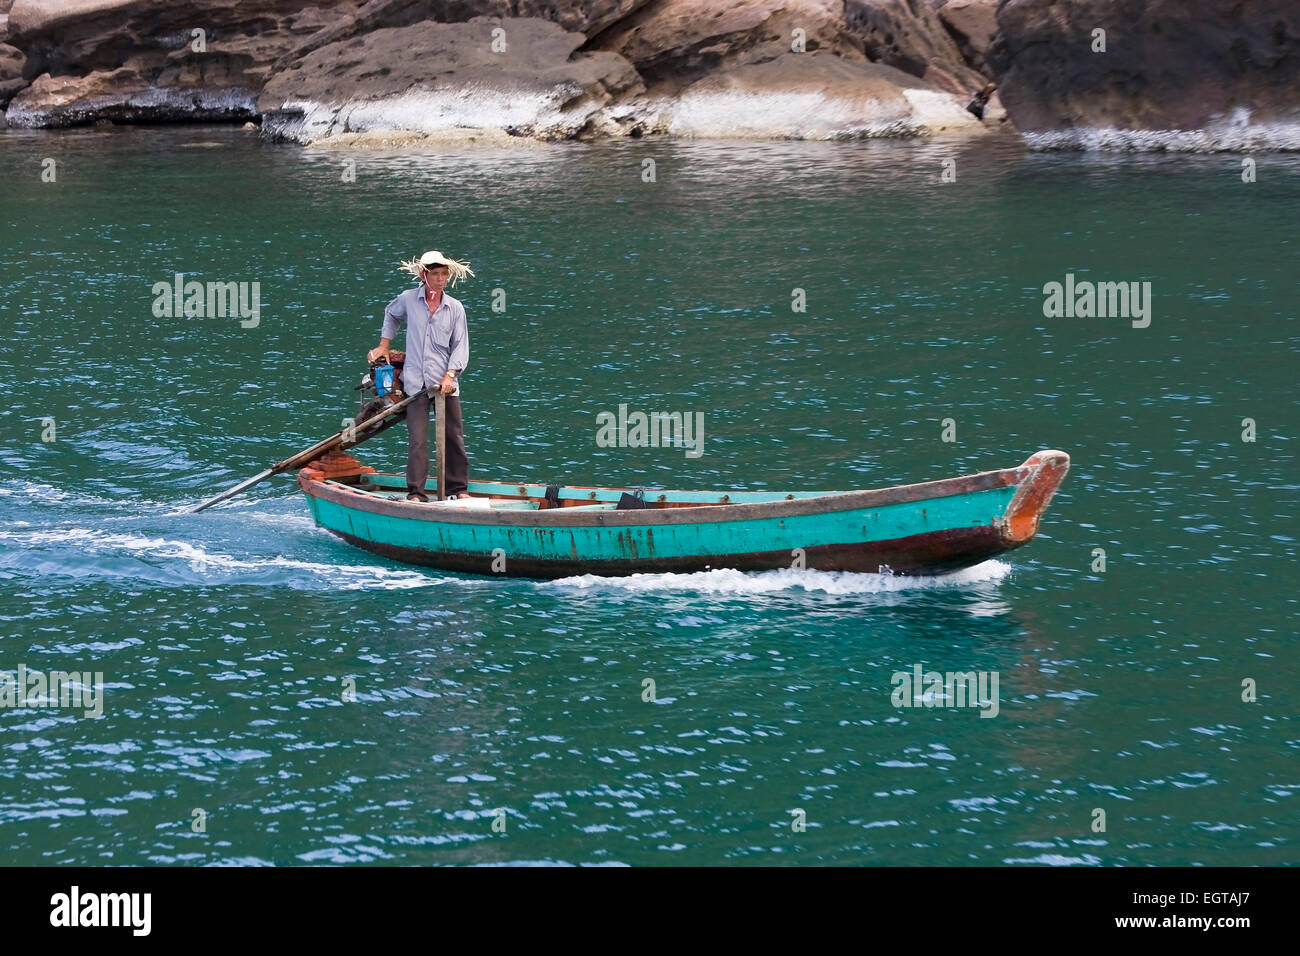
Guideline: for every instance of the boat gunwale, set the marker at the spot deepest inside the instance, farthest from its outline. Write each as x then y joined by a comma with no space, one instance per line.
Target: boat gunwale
552,518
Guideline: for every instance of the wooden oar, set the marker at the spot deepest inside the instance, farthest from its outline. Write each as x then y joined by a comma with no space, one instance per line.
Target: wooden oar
348,438
440,438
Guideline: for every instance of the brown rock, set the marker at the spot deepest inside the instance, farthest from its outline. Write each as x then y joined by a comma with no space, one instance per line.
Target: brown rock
908,35
676,42
810,96
78,36
994,111
673,43
1217,74
576,16
972,24
11,72
122,96
141,61
432,77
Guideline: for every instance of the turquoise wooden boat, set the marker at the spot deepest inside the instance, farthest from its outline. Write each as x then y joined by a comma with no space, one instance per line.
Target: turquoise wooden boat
531,530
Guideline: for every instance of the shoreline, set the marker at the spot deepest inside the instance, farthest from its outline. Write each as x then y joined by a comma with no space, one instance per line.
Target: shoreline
1246,140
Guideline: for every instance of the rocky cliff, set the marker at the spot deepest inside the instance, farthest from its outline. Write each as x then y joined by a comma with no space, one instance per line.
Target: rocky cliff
1164,73
541,68
1151,74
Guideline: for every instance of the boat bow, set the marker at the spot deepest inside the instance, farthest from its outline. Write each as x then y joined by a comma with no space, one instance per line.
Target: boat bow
1044,472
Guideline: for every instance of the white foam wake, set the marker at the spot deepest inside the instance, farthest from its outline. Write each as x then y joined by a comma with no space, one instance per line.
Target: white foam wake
21,492
211,566
42,493
729,581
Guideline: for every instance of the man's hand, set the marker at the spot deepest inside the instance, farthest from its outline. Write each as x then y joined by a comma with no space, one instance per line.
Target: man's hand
375,353
447,385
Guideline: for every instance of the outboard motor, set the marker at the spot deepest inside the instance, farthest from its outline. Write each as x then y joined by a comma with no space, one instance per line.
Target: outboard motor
381,387
382,377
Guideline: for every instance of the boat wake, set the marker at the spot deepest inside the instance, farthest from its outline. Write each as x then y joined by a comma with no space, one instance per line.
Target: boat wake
91,553
23,494
728,581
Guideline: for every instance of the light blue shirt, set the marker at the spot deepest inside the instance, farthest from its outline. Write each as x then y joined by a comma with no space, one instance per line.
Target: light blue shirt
434,343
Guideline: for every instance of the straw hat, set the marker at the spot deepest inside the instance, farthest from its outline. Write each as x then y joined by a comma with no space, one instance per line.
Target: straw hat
458,270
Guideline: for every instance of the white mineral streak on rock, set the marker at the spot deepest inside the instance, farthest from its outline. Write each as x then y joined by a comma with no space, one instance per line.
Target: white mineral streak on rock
1234,132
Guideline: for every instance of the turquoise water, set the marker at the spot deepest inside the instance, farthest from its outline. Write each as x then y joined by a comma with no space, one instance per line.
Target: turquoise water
228,641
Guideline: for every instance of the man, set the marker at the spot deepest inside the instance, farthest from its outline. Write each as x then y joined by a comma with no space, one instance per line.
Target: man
437,351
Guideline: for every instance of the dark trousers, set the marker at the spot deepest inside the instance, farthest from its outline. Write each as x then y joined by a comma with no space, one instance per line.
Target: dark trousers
417,446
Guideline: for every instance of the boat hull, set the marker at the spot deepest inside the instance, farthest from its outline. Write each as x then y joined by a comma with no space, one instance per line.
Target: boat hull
936,552
928,528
